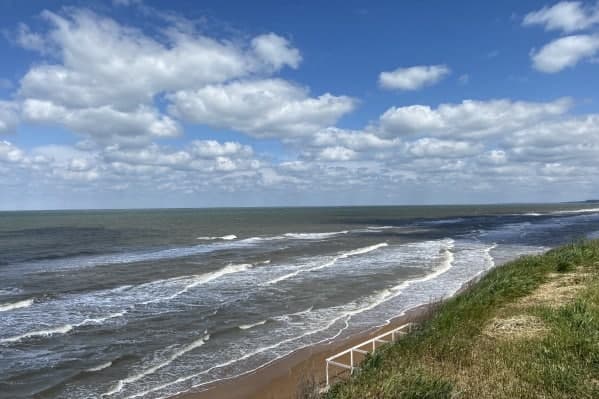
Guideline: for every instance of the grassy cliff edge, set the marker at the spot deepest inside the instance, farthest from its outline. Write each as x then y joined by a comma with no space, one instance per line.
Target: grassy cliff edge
528,329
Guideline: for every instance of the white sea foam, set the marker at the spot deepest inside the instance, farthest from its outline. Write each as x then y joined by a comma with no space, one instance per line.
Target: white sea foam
100,320
248,326
178,353
41,333
370,303
99,367
583,210
329,263
4,307
380,227
194,281
62,329
225,238
314,236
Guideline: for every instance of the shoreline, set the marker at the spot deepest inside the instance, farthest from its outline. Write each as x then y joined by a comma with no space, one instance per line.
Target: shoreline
282,378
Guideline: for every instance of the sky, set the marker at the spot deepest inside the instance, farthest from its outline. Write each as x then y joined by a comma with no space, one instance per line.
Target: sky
142,104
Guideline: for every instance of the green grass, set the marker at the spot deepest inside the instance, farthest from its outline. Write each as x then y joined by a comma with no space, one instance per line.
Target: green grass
452,355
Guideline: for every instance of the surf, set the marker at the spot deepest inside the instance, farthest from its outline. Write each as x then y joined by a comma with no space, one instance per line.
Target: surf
5,307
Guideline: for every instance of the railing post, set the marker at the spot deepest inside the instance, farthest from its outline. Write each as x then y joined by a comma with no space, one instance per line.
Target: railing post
327,373
351,361
393,336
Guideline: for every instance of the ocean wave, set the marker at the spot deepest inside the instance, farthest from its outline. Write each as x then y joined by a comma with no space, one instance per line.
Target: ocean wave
99,367
248,326
331,262
178,353
10,291
4,307
224,238
155,255
583,210
41,333
344,315
64,329
194,281
314,236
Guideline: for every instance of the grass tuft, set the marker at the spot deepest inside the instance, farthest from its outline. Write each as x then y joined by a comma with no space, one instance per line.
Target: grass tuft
536,348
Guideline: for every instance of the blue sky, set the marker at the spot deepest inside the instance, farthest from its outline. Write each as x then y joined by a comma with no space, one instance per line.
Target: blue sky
131,104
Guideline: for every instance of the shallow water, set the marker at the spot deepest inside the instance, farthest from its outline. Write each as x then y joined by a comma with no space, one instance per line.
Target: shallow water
153,302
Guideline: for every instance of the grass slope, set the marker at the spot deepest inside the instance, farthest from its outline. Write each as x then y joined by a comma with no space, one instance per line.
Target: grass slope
528,329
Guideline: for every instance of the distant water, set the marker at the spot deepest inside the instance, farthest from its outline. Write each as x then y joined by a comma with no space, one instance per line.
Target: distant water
126,304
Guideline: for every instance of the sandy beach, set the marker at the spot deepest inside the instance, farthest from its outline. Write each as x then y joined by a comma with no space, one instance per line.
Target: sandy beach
282,378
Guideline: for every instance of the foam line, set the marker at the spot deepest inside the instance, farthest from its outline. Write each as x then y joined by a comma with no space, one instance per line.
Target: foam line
379,298
248,326
334,260
41,333
202,279
99,367
4,307
225,238
187,348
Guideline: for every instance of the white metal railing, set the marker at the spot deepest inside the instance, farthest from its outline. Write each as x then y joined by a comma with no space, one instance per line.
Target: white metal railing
364,348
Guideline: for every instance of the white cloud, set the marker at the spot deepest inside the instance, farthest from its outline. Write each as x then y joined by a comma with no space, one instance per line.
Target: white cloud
114,73
10,153
212,148
30,40
104,124
565,52
276,51
413,78
9,117
355,140
431,147
261,108
470,118
337,153
104,62
567,16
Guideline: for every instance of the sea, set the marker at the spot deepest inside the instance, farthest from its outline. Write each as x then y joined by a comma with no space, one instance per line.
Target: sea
151,303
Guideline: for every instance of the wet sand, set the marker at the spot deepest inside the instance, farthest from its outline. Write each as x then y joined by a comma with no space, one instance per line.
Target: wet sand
283,378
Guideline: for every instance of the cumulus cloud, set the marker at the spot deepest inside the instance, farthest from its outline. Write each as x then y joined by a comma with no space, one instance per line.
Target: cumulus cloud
565,52
113,72
413,78
10,153
337,153
470,118
431,147
104,124
276,51
9,117
261,108
355,140
567,16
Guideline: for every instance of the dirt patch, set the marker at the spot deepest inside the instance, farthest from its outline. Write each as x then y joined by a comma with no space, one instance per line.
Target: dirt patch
560,290
520,326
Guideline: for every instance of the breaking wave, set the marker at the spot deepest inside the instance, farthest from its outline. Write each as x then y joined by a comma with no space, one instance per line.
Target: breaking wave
4,307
